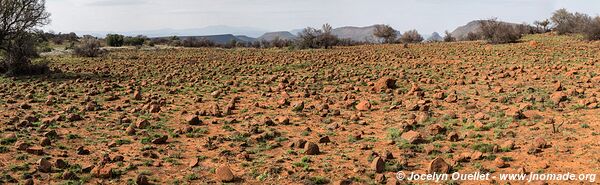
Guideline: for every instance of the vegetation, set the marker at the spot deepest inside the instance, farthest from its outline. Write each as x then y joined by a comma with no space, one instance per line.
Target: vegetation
411,36
496,32
115,40
18,36
385,33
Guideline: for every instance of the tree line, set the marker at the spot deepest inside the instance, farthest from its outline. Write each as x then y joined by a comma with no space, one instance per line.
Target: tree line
21,38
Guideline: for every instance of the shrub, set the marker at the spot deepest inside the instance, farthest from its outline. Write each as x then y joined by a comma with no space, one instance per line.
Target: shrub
411,36
88,47
315,38
448,37
472,36
592,30
543,26
114,40
385,33
566,22
135,41
496,32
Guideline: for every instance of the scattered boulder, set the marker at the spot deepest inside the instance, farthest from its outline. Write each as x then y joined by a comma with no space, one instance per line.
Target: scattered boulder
44,165
378,165
438,165
193,120
224,174
311,148
412,137
363,106
385,83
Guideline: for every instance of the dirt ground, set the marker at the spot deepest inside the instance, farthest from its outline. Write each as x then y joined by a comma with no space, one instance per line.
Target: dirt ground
276,116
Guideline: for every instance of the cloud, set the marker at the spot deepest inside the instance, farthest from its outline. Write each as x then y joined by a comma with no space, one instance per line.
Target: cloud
116,2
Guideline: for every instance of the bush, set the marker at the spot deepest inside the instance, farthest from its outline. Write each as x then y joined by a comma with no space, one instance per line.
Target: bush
385,33
135,41
448,37
114,40
315,38
592,30
566,22
496,32
411,36
472,36
88,47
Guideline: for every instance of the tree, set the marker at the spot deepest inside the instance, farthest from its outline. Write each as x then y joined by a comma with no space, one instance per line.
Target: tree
115,40
19,19
316,38
566,22
496,32
385,33
543,26
326,39
448,37
411,36
592,30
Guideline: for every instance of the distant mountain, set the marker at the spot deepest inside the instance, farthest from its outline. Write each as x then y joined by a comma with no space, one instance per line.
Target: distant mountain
246,38
360,34
219,39
435,36
461,32
209,30
284,35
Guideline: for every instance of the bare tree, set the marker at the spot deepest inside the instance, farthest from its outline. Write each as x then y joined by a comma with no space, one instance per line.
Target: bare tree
18,21
327,39
385,33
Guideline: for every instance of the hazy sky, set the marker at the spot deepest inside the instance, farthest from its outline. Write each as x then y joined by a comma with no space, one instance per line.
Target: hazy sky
274,15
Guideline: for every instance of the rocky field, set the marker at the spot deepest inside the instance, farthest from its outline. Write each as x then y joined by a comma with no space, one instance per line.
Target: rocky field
276,116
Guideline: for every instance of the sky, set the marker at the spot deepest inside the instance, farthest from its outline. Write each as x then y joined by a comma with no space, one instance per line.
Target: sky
427,16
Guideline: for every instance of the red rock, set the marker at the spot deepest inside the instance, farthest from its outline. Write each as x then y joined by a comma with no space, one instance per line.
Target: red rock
224,174
363,106
438,165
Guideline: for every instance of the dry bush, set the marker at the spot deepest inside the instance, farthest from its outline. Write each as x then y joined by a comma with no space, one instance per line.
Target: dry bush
566,22
88,47
411,36
592,30
316,38
496,32
448,37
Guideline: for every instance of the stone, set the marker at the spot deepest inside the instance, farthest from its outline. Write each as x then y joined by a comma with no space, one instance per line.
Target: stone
193,120
378,165
224,174
500,163
141,179
363,106
142,124
412,137
384,84
438,165
311,148
558,97
44,165
160,140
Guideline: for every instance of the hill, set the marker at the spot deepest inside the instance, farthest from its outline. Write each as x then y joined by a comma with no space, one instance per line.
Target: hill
284,35
472,27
